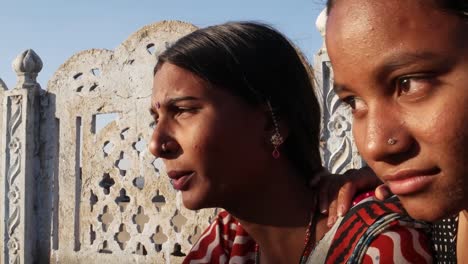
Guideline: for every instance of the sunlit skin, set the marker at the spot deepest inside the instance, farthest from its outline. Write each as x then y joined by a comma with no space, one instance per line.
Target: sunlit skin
403,68
222,146
202,130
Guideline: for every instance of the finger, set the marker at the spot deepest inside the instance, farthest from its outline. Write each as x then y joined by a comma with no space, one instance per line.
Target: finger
382,192
364,178
345,198
332,213
323,196
335,185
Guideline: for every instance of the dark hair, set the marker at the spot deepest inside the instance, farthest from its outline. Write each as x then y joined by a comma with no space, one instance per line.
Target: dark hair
258,64
458,7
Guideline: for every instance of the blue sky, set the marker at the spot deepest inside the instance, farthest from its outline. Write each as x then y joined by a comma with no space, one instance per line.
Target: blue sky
57,29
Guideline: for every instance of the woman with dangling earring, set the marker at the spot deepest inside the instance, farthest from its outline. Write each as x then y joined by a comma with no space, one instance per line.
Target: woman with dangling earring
237,127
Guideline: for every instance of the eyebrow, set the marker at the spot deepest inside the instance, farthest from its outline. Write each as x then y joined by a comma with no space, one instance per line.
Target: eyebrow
172,101
179,99
393,63
401,60
338,88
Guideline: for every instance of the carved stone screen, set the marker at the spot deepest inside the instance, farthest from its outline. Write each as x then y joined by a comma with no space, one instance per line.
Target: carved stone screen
113,201
339,153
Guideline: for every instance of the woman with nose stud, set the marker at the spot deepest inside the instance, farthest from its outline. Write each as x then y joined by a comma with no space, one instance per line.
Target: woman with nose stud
402,66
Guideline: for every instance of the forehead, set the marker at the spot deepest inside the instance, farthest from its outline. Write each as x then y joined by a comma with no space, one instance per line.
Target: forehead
369,17
368,31
172,81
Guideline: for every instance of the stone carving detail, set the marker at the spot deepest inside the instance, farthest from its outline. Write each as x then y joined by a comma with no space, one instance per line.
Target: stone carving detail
14,170
27,65
339,151
339,126
131,210
337,144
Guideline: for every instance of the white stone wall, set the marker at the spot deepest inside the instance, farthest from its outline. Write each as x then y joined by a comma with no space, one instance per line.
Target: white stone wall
78,184
114,201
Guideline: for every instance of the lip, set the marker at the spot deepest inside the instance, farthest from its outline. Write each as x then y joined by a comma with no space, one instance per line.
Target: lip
410,181
180,179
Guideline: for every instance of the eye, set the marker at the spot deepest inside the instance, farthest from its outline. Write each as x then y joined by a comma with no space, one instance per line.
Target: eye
404,85
415,87
155,118
356,104
350,101
184,111
153,124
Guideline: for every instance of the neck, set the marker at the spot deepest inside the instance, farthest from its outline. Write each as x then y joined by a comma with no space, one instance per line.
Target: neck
277,214
462,237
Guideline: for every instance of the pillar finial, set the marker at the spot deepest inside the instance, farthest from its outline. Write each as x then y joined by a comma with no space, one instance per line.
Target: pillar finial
27,65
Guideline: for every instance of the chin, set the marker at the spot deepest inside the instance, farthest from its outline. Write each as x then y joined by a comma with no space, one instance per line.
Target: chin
429,210
193,201
193,206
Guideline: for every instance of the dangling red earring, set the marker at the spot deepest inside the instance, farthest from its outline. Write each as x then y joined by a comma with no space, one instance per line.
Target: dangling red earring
276,140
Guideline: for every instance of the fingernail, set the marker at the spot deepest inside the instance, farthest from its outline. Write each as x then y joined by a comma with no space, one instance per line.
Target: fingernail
331,221
323,207
385,192
340,210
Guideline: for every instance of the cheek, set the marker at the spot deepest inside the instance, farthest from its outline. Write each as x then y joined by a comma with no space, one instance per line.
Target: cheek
359,134
211,139
451,134
443,123
441,131
227,144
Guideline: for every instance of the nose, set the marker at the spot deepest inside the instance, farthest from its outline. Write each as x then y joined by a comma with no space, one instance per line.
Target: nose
383,135
162,144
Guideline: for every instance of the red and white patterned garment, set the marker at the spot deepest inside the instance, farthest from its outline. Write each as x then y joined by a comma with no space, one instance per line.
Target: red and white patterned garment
399,245
225,241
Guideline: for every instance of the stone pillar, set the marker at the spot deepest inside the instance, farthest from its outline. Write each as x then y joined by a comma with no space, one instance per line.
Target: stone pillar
338,150
19,164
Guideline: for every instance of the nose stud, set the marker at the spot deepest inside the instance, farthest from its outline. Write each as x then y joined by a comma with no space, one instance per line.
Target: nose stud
391,141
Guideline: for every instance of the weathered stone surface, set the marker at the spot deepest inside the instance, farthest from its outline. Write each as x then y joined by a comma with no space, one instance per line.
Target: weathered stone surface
338,150
320,23
27,65
3,86
114,201
19,161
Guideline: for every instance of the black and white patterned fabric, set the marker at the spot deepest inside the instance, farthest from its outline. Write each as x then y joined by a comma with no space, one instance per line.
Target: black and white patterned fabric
444,238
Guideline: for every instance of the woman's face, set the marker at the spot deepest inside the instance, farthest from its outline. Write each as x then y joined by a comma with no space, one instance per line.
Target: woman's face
210,141
403,68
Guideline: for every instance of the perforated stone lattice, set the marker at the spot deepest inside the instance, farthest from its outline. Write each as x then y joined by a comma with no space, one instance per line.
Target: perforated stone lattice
115,200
